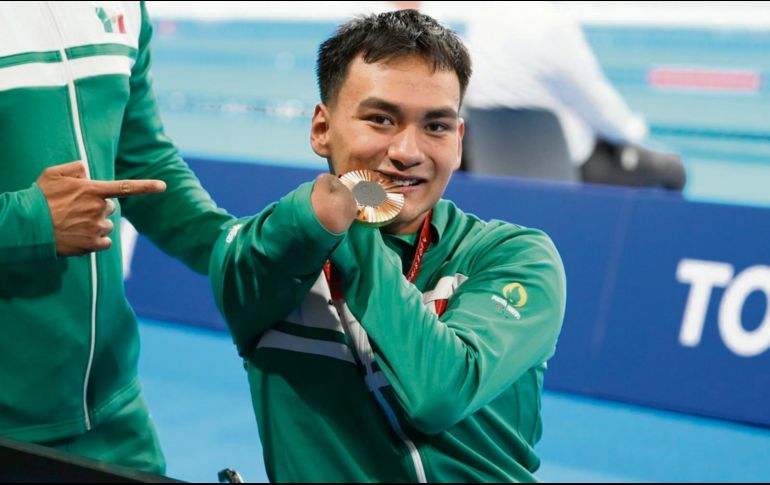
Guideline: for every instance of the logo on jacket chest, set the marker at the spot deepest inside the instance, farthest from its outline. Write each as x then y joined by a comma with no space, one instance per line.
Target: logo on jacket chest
112,17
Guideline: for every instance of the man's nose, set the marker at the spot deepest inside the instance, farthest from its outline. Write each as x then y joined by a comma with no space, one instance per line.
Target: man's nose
405,150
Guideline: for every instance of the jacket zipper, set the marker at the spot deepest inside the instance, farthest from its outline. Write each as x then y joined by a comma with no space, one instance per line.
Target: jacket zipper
84,161
366,357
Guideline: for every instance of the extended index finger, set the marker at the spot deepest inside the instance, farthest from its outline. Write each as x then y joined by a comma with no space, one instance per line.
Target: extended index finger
126,188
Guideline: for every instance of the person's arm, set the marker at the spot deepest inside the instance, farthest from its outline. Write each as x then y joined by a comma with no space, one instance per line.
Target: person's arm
183,221
264,266
443,369
26,229
577,80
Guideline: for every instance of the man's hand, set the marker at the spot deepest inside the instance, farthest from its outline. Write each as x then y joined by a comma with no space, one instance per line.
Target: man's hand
80,208
333,203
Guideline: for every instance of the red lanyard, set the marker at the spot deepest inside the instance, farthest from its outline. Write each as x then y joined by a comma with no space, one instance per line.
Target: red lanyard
423,243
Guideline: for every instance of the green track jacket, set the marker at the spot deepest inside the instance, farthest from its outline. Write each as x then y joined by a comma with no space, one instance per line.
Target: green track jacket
434,381
75,85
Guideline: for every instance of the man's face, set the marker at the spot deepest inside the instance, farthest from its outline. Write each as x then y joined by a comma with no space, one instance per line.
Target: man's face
399,118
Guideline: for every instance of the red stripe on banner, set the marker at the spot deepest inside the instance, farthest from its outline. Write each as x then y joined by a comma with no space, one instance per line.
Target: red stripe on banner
712,80
121,24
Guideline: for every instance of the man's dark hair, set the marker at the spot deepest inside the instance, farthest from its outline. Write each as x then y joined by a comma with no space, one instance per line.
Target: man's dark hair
387,36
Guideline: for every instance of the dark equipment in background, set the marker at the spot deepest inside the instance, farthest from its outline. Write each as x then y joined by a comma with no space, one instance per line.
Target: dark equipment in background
531,144
29,462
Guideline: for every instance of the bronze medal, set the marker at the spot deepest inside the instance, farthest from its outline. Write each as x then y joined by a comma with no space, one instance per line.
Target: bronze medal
379,199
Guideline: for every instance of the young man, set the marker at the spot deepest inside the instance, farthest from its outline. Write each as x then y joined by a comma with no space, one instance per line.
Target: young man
75,84
426,361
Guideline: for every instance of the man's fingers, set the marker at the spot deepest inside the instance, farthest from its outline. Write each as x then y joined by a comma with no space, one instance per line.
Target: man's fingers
106,227
109,207
125,188
102,244
70,169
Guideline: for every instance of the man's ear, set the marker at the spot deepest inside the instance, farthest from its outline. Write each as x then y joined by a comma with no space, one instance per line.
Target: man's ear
320,131
460,135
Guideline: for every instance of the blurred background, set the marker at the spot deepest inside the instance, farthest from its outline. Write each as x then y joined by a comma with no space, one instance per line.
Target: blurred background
660,373
237,81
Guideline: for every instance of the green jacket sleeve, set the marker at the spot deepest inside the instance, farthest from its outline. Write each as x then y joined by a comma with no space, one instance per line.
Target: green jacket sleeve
444,369
264,266
183,221
26,228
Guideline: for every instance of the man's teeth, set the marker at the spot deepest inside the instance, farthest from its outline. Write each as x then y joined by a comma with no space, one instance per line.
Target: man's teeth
406,182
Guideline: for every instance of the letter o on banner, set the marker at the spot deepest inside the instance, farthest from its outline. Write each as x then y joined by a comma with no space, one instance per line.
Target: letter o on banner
736,338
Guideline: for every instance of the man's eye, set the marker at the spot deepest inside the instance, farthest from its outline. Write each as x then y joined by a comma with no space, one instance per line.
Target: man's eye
381,120
436,127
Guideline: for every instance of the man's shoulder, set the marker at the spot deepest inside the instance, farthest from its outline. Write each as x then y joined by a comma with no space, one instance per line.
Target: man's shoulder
495,235
458,219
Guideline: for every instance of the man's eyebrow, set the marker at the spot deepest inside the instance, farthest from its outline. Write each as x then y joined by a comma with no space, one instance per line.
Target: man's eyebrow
441,113
379,103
